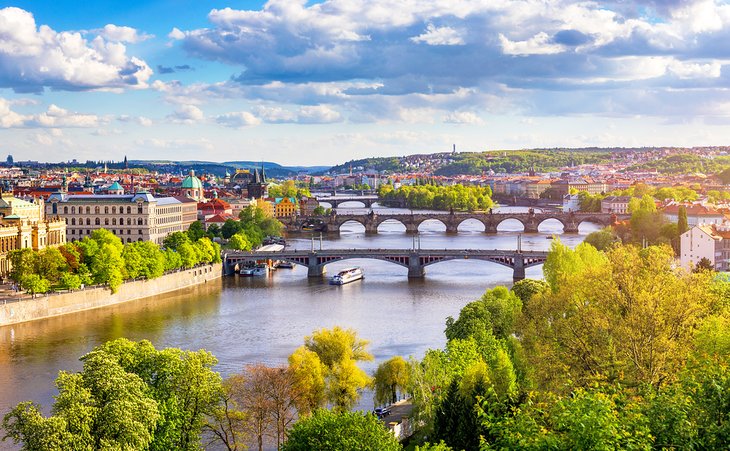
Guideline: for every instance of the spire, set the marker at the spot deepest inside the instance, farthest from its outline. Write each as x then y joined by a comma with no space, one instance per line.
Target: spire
126,163
263,173
256,176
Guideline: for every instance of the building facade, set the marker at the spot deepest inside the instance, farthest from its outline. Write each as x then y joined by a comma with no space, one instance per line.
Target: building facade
131,217
24,225
708,241
615,204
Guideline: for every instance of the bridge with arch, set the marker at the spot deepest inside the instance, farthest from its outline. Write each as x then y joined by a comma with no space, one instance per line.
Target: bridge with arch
334,201
530,221
415,260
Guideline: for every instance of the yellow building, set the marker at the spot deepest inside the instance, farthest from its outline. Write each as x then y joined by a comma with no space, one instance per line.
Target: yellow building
285,206
24,225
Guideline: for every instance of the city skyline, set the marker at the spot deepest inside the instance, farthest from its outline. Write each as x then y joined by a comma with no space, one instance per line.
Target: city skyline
312,83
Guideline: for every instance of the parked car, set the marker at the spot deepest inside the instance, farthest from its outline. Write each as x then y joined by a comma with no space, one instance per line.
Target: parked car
382,412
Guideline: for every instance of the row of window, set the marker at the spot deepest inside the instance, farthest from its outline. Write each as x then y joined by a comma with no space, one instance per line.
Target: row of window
97,221
97,210
129,240
116,232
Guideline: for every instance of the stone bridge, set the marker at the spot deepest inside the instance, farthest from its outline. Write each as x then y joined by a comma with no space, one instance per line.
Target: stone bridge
415,260
335,201
530,221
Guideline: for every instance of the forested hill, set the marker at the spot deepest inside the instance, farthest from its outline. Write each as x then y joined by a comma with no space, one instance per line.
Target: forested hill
474,163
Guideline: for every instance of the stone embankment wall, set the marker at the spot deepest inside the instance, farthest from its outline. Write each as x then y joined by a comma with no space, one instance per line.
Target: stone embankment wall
62,303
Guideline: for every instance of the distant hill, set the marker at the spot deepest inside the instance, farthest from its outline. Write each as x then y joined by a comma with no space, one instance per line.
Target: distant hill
207,167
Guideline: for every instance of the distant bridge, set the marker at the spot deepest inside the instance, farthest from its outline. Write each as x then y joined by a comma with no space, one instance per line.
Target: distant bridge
367,200
415,260
530,221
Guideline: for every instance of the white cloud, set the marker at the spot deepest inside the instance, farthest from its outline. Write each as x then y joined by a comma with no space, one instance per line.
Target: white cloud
175,144
53,117
187,114
319,114
463,117
540,44
237,119
176,34
112,32
139,120
439,36
32,58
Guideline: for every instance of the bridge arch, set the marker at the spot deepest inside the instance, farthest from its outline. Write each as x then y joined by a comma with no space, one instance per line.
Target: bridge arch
509,226
391,221
550,219
348,204
419,222
471,223
352,221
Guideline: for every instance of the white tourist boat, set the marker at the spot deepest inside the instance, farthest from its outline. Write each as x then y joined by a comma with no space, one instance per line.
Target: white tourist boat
246,271
261,269
347,276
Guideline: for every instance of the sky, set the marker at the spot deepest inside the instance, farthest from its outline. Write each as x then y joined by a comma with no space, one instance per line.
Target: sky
323,82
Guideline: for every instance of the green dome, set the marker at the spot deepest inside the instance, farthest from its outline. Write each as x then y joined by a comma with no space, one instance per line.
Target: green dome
192,182
116,187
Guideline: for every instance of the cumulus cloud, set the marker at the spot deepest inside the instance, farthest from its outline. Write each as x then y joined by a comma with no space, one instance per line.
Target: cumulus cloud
315,114
54,117
237,119
187,114
112,32
33,58
439,36
139,120
409,58
463,117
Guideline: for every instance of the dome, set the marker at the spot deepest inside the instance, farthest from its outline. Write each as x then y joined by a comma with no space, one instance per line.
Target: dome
116,187
192,182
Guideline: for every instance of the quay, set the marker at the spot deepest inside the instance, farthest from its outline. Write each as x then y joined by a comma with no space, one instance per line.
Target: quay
415,260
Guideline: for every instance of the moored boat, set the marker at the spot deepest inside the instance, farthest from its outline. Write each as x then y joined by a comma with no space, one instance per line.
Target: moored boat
347,276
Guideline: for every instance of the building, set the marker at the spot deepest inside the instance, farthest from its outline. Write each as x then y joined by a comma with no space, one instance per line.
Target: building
131,217
307,206
615,204
24,225
214,207
258,187
285,206
192,187
696,214
710,241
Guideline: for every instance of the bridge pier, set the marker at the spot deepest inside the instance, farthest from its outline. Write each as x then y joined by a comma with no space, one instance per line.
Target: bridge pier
452,228
571,227
518,269
411,228
313,268
490,228
415,269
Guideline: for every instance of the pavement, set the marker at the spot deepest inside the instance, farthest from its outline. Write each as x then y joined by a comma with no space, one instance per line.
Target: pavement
400,409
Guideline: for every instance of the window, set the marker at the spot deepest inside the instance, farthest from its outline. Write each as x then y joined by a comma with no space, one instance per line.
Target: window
97,210
97,221
139,209
121,221
114,210
55,208
129,210
106,221
129,221
88,210
73,221
88,221
139,221
140,231
73,210
106,210
65,210
114,221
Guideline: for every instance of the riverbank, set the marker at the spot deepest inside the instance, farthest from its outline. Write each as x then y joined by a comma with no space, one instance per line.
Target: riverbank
46,306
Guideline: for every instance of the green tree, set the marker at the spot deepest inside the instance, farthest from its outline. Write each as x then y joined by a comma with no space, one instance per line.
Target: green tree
196,231
342,431
682,224
230,228
527,288
390,377
34,284
50,264
240,241
23,263
175,240
71,281
601,239
308,375
103,407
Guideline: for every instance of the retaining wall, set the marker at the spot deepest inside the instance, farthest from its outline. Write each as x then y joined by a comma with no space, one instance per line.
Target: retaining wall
61,303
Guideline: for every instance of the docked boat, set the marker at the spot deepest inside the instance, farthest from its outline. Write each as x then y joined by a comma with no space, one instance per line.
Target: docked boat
347,276
246,271
261,269
286,264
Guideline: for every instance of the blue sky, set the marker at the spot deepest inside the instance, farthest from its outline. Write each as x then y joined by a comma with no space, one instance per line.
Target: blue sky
324,82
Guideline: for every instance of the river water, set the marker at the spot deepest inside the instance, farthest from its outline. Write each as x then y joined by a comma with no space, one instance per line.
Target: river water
249,320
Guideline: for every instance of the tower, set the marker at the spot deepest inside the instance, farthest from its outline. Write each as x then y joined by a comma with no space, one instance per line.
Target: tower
126,163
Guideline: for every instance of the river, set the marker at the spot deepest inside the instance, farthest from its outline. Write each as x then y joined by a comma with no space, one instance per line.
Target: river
249,320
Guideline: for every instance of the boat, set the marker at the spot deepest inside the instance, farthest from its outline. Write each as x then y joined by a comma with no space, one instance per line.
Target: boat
261,269
347,276
246,271
285,264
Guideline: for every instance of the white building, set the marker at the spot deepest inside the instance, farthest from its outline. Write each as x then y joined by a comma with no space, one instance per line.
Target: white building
615,204
708,241
696,214
571,202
